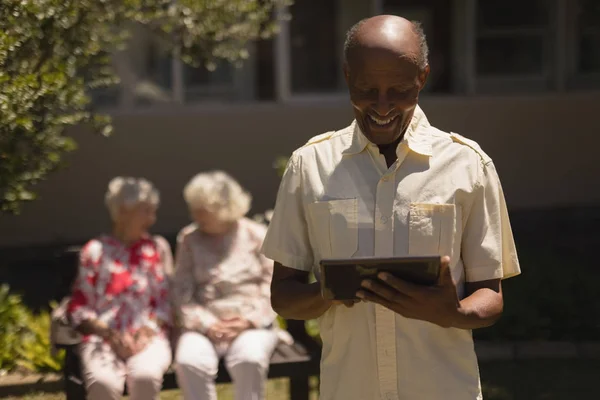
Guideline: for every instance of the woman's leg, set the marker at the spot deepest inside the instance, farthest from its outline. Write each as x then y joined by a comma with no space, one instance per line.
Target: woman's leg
146,369
248,362
103,372
196,366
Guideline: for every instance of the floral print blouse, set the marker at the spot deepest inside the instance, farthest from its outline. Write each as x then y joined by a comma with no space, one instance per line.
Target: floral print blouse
221,277
126,287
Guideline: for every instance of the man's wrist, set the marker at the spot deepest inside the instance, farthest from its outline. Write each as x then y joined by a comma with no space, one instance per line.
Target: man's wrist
462,318
325,304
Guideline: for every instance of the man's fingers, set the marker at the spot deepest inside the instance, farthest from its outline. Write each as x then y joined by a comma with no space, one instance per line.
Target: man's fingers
406,288
387,292
373,298
347,303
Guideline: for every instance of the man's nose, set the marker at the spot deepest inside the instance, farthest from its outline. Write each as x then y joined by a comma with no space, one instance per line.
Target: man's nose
383,105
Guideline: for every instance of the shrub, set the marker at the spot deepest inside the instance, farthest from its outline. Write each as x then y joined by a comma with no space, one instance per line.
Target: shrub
24,337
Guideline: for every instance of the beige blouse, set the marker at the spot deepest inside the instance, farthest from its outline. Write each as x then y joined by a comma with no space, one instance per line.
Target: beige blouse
221,277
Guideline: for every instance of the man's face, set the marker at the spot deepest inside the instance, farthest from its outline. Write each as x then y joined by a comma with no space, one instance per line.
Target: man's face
384,91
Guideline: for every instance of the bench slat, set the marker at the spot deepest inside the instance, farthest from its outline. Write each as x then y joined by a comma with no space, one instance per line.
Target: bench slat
286,354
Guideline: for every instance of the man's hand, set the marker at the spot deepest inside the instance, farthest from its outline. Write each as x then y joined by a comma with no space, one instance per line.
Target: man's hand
347,303
437,304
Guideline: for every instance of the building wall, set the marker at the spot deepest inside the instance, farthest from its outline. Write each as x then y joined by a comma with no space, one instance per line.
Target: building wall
544,146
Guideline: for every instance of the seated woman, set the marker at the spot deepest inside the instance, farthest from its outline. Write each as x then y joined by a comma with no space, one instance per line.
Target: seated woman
222,282
120,298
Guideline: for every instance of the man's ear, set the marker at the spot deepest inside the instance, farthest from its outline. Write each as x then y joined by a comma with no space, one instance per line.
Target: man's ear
423,75
346,70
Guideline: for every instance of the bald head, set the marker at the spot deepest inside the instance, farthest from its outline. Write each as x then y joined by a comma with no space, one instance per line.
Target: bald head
391,33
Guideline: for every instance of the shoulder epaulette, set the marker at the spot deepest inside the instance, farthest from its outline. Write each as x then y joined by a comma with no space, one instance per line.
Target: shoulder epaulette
473,145
319,138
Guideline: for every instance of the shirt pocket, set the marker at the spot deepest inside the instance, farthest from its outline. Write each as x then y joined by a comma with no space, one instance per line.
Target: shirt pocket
335,227
431,229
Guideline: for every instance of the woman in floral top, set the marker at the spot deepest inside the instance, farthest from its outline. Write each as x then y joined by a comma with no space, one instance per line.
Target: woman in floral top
120,299
222,283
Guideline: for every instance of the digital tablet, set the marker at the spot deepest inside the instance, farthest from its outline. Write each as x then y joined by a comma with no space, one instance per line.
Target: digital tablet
341,278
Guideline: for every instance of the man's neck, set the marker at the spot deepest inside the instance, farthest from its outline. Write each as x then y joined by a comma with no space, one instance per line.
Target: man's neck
389,151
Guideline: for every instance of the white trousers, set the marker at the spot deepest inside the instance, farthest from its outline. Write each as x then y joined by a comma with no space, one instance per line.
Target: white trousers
247,360
104,374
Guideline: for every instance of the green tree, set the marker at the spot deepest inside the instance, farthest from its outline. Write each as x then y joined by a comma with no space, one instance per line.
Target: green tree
53,52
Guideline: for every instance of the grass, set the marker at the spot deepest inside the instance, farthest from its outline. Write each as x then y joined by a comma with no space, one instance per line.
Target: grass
505,380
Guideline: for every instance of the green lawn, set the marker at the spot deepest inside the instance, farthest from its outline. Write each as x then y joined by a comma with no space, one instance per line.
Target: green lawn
523,380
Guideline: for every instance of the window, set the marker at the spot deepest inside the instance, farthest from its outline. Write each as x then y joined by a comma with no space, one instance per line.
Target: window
513,38
588,37
315,63
202,84
153,66
435,17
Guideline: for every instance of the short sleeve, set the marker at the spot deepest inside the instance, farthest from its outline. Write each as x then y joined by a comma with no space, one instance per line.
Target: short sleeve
488,247
287,239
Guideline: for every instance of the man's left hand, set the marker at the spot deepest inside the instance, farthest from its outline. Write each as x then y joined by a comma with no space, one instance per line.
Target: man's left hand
437,304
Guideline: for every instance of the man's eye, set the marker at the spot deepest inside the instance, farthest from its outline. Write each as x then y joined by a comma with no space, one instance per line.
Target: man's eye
403,90
365,91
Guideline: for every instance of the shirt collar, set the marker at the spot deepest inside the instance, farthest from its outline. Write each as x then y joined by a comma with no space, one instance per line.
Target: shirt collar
417,136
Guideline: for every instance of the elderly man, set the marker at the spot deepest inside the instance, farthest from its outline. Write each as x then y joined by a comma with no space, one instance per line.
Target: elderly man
391,184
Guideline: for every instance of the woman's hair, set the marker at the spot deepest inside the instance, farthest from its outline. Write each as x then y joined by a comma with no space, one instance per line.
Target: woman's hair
219,193
128,191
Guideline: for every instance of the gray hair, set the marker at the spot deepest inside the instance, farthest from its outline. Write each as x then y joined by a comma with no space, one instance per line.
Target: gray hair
128,191
351,42
218,192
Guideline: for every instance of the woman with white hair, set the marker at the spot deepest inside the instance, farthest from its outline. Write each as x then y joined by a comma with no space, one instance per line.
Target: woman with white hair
222,283
120,298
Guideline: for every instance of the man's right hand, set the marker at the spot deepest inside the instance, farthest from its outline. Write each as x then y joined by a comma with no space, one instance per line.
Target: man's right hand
292,297
347,303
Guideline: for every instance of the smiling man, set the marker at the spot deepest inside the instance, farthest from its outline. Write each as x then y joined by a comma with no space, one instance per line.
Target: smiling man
388,185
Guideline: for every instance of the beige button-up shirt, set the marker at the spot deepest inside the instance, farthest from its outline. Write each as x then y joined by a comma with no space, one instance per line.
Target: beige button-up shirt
442,196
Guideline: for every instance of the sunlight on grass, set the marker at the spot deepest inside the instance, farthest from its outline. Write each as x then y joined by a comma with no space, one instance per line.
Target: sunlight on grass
502,380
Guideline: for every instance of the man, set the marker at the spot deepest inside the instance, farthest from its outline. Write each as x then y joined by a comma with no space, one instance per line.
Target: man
390,184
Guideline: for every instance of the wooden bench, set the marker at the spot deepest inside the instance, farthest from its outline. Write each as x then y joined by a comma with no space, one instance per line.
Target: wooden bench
298,362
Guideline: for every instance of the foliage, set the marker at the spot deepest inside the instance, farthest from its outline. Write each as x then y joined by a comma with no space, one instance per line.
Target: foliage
35,349
13,321
53,52
279,165
554,298
24,337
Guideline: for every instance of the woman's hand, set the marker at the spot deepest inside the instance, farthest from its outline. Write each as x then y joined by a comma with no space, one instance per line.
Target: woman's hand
143,337
228,329
123,344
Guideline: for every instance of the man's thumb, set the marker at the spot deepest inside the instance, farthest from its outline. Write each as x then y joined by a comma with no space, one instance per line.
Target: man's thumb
445,274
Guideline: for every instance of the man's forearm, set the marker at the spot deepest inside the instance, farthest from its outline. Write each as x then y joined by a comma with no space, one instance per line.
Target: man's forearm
297,300
479,310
